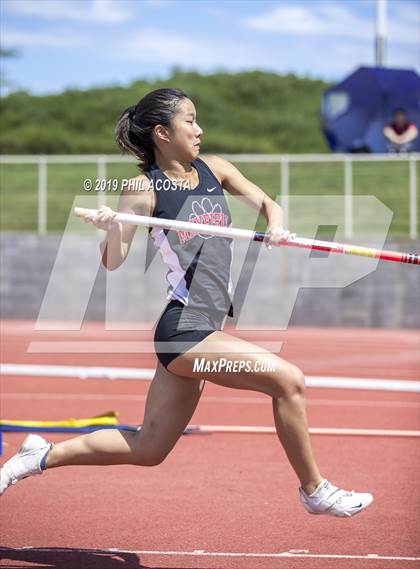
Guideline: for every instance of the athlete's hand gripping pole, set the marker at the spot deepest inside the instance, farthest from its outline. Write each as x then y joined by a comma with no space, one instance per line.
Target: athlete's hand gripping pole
231,233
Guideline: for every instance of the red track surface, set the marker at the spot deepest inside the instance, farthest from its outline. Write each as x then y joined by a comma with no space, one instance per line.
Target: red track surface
218,493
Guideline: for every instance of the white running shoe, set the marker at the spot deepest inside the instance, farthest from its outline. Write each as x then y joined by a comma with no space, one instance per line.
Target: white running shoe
26,462
330,500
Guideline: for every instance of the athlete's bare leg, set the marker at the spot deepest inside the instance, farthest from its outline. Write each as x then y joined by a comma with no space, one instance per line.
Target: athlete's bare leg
285,385
170,404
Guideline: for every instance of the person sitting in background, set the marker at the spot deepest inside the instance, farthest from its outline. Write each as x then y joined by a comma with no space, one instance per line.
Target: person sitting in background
400,133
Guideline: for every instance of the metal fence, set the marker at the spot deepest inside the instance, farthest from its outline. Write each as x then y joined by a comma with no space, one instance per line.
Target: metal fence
283,160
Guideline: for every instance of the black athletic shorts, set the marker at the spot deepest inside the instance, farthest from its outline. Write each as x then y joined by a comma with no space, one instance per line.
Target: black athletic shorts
180,328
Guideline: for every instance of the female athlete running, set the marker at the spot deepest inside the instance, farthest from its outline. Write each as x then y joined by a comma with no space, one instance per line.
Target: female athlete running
161,131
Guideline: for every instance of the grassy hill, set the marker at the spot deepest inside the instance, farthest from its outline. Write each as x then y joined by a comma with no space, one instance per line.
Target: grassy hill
252,112
242,112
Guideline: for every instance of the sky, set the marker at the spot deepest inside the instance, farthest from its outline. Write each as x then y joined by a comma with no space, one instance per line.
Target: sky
83,43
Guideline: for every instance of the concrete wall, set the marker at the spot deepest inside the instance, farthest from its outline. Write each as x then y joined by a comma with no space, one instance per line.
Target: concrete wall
285,285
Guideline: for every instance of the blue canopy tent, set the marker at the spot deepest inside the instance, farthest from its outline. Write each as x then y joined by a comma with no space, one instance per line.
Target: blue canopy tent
356,110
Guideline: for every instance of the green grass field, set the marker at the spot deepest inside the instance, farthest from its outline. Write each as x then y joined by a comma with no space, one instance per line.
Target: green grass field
388,181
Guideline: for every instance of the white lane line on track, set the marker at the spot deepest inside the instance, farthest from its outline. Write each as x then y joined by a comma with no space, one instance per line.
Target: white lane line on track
255,429
264,430
94,372
202,553
81,372
206,399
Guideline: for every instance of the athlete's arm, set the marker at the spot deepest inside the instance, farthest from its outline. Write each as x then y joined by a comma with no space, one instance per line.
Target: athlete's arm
236,184
135,198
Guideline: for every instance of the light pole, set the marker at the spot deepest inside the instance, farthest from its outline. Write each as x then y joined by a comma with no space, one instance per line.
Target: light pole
380,33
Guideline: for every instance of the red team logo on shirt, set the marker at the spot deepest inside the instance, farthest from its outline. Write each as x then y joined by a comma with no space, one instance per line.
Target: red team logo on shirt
207,213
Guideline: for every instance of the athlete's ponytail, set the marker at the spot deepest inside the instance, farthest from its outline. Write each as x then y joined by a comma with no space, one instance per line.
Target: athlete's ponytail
134,129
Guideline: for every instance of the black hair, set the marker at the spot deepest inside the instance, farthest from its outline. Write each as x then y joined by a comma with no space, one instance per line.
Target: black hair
134,129
399,110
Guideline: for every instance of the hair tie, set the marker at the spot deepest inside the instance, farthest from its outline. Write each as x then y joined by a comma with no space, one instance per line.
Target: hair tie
132,112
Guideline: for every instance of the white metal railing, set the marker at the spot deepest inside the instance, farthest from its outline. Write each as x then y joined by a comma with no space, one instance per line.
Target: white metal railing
284,160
